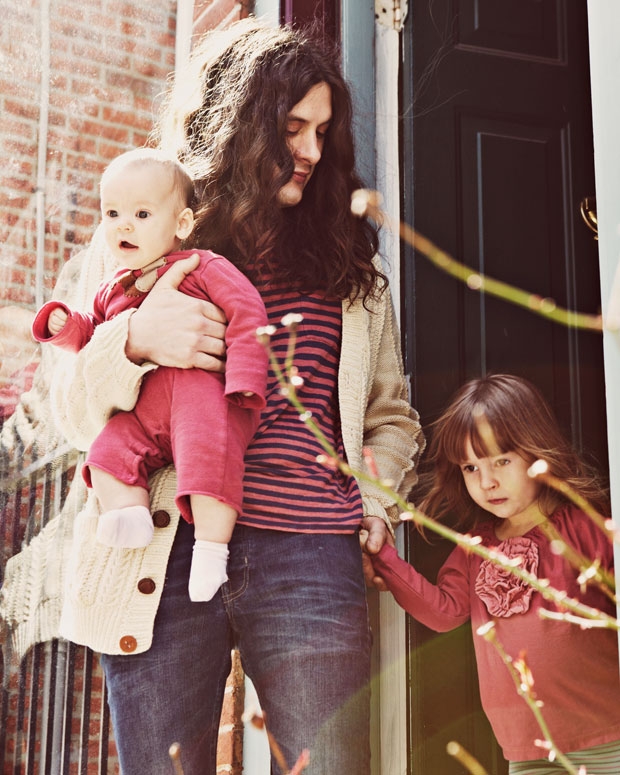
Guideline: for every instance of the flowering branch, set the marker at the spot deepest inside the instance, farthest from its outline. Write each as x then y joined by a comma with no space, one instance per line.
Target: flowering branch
259,721
289,380
365,202
590,570
471,764
540,469
174,752
524,683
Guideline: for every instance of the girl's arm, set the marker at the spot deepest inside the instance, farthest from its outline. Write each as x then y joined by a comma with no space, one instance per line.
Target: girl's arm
440,607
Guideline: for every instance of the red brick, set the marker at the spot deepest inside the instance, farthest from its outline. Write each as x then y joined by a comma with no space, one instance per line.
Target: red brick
12,127
127,118
63,62
210,13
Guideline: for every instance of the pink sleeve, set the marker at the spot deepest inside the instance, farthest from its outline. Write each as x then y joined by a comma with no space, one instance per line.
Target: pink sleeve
440,607
246,357
76,332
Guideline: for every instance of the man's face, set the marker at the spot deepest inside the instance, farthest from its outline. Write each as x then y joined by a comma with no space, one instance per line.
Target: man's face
306,127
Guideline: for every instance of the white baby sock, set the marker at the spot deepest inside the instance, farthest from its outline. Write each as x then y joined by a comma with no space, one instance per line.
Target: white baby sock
128,528
208,571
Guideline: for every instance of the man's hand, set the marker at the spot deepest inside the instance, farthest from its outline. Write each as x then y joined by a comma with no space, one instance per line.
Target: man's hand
173,329
373,534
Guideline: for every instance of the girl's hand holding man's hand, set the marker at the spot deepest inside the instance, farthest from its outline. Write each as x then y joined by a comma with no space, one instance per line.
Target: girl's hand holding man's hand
373,534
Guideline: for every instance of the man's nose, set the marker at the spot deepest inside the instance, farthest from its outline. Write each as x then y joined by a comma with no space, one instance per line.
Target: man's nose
308,149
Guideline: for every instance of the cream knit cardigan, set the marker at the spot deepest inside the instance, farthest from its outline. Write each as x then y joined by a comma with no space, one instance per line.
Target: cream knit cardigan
66,584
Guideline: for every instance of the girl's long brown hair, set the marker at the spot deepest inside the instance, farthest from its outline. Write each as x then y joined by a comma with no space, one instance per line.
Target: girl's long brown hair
502,413
226,120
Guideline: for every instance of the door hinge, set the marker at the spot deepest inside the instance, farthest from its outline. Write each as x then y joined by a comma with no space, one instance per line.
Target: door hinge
391,13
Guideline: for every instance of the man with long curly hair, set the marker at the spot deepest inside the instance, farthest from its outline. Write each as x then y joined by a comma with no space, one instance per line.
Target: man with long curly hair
263,121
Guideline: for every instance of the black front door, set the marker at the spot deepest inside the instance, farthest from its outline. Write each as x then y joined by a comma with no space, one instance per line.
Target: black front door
497,156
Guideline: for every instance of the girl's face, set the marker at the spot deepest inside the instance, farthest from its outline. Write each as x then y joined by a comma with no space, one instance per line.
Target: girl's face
306,126
501,486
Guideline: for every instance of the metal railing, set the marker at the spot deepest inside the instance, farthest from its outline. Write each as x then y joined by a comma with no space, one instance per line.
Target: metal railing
54,718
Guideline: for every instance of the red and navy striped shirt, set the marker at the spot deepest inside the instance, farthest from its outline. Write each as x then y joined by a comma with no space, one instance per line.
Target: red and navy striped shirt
285,488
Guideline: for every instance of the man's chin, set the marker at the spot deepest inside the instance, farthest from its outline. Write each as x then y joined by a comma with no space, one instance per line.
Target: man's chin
290,195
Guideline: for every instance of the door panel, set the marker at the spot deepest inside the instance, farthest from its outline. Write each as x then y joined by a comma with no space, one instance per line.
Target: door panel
522,27
497,155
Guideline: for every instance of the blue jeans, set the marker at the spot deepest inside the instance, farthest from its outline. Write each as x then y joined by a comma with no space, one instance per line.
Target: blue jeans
295,607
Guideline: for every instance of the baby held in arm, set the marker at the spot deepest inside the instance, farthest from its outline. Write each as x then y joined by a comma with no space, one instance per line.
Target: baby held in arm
202,421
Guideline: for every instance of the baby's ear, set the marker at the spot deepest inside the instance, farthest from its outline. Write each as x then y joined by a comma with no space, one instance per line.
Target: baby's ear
185,223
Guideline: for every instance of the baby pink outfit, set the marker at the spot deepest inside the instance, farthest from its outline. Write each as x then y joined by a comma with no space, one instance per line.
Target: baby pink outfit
198,420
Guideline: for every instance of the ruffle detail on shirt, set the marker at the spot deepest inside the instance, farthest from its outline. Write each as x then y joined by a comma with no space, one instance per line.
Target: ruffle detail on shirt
501,591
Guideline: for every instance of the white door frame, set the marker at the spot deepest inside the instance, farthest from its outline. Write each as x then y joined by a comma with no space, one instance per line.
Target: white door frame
603,24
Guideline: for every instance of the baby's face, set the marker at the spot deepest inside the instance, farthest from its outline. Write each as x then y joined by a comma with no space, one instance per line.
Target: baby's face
140,208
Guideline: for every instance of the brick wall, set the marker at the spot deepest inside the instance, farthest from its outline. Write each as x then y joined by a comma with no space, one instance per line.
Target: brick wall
108,62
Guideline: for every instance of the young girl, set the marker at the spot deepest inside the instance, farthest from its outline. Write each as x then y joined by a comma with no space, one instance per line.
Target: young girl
482,447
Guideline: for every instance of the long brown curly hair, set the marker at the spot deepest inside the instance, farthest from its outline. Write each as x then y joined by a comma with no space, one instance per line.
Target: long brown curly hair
501,413
226,119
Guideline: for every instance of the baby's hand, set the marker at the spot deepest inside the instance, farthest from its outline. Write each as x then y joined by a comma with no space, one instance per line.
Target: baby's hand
56,321
248,393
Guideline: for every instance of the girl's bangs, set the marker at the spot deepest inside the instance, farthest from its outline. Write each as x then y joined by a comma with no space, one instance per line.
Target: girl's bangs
486,432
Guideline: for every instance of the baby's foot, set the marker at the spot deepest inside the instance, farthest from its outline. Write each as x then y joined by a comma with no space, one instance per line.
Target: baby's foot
128,528
208,571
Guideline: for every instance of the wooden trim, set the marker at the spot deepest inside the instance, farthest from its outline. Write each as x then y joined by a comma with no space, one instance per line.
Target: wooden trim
324,14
